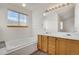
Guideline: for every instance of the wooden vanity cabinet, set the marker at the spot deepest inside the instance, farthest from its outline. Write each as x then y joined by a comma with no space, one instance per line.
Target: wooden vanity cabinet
72,47
39,42
67,46
61,46
58,46
51,45
44,42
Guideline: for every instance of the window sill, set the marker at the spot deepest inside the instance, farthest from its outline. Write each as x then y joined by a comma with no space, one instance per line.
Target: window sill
17,26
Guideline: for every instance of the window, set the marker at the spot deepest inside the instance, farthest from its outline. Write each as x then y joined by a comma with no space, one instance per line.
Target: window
23,20
16,18
12,18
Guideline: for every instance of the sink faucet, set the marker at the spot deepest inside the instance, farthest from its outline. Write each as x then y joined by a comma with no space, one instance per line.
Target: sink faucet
46,32
68,34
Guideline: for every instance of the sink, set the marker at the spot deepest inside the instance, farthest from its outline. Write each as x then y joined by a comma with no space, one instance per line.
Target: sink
68,34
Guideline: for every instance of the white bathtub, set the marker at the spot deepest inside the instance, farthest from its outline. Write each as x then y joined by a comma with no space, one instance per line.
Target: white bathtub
29,43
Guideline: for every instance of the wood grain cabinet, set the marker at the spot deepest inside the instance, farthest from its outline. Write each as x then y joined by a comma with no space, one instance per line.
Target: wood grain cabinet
72,47
58,46
39,42
44,41
67,46
51,45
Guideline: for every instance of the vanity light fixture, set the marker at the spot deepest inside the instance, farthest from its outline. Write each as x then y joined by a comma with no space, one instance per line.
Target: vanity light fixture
52,8
45,13
57,7
23,5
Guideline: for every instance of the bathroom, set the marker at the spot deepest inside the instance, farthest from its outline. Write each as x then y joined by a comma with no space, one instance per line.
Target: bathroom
49,19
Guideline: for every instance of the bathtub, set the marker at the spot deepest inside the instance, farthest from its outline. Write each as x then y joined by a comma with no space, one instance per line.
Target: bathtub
29,43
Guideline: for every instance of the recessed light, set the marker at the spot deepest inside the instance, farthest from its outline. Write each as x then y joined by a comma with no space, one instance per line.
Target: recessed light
24,5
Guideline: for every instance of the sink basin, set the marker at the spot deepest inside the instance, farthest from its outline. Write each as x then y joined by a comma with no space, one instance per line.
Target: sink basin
68,34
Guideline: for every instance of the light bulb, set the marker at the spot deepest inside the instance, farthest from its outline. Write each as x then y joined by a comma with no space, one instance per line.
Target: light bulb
24,5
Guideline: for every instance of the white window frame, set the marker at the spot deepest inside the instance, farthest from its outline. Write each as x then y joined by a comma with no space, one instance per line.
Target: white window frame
18,23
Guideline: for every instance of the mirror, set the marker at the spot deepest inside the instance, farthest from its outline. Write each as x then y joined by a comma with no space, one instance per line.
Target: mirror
60,21
66,25
50,23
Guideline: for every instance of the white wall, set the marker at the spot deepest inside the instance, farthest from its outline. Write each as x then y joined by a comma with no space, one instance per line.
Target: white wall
14,36
76,17
37,22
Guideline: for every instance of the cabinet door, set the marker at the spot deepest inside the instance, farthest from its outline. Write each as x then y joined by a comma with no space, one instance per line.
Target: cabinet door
39,42
44,43
60,46
72,47
51,45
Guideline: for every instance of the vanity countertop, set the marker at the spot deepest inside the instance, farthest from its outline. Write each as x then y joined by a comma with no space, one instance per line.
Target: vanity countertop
72,36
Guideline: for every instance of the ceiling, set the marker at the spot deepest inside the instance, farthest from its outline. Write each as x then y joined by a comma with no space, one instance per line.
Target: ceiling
35,6
63,12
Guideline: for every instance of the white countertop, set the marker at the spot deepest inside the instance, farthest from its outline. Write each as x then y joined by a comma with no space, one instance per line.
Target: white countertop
74,36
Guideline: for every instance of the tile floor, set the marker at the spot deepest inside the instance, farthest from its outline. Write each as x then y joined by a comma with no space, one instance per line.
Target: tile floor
39,53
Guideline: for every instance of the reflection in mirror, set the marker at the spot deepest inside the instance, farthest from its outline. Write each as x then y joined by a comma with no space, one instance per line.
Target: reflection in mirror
66,25
50,23
61,25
